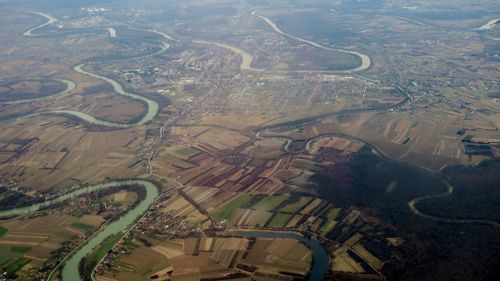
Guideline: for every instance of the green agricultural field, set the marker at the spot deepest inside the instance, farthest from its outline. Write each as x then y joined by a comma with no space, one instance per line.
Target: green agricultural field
327,227
297,205
7,256
279,220
353,240
83,226
369,257
333,213
269,203
20,249
5,261
13,266
212,245
3,231
229,210
186,152
174,160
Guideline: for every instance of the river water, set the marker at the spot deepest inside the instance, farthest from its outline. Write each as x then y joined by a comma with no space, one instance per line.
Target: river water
152,106
70,270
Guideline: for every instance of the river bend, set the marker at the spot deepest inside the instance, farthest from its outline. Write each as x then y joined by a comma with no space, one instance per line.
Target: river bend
70,270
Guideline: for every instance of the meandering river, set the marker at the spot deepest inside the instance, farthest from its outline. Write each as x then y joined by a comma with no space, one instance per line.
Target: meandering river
50,20
152,107
246,58
489,25
365,59
70,86
70,270
151,111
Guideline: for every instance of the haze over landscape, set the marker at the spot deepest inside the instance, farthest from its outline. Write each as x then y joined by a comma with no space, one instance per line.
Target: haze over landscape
249,140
